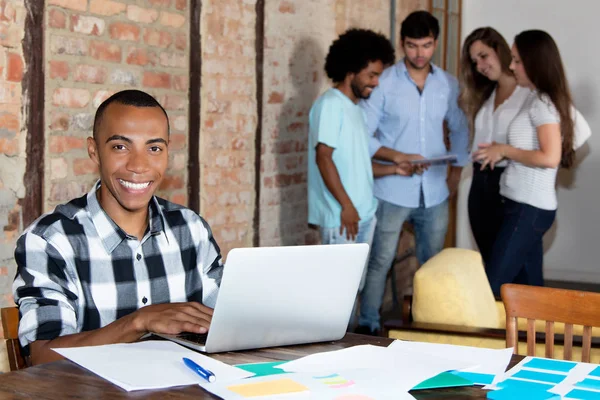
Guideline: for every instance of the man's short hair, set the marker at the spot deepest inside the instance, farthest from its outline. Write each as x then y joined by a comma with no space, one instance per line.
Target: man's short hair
418,25
354,50
131,97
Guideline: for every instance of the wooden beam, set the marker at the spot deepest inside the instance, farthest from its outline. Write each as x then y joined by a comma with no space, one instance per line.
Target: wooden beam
259,68
33,94
194,106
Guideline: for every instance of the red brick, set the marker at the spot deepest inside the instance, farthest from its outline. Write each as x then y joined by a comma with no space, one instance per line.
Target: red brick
8,146
157,38
64,191
180,41
179,199
79,5
181,4
64,144
177,141
59,122
105,51
57,19
173,60
69,97
87,25
171,19
157,80
100,96
160,3
7,12
89,73
59,69
276,98
140,56
141,15
14,67
106,7
173,102
124,31
171,182
74,46
10,35
181,83
9,122
84,166
287,8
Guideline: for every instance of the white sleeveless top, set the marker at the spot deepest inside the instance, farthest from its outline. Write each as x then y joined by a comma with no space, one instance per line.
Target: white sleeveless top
530,185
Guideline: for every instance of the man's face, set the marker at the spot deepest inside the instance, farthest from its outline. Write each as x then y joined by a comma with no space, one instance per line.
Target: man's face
131,150
419,52
365,81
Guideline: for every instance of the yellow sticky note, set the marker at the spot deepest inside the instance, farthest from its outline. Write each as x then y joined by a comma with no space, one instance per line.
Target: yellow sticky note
279,386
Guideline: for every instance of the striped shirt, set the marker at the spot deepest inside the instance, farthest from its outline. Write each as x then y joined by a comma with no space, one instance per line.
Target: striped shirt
402,118
78,271
530,185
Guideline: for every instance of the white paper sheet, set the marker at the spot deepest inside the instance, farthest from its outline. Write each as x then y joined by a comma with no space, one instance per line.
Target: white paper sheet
360,384
408,367
148,365
486,361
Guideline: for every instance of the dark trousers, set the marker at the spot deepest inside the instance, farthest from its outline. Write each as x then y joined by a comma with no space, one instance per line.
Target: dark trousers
517,254
485,208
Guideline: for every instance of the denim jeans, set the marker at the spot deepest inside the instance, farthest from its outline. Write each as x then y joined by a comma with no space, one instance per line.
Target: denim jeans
365,235
518,253
485,208
430,225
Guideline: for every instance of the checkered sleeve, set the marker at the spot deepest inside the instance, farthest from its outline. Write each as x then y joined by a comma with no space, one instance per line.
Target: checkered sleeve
44,292
210,260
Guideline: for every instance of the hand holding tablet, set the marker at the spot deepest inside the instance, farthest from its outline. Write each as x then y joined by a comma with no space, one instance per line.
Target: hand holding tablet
450,158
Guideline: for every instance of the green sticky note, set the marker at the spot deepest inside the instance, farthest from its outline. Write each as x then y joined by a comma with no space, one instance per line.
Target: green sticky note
445,379
263,368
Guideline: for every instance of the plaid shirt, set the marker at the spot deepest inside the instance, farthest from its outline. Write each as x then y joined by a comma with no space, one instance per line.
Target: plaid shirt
78,271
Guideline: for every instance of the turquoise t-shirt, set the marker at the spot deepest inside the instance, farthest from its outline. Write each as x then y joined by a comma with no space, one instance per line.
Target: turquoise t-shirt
337,122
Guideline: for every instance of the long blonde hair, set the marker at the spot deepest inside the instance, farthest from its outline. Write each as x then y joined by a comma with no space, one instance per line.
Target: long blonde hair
477,88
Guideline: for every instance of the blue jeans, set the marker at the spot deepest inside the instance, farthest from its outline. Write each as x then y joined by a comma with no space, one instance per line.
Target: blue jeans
365,235
430,226
518,253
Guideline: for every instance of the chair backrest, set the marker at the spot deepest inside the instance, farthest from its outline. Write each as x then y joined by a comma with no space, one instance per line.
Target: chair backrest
10,327
572,307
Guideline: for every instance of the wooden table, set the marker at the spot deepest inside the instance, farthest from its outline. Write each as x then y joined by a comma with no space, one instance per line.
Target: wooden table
66,380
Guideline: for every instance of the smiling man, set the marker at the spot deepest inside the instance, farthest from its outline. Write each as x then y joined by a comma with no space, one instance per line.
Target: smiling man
406,115
117,263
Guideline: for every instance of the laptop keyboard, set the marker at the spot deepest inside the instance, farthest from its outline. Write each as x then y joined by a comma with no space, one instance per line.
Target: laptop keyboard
198,338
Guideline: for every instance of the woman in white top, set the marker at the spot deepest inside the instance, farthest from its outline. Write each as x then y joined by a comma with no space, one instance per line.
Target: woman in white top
491,99
540,139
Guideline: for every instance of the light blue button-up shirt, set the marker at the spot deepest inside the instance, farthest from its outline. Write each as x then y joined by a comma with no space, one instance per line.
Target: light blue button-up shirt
401,118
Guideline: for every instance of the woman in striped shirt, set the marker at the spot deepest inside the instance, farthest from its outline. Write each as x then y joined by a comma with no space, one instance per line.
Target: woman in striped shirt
540,139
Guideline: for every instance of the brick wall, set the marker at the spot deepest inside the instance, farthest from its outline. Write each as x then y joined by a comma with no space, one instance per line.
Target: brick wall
228,117
12,138
95,48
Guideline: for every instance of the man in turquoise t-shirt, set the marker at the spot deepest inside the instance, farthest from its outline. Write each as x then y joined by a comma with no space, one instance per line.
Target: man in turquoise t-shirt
340,175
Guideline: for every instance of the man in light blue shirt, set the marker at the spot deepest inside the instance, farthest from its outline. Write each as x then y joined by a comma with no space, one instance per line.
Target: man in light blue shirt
407,114
340,176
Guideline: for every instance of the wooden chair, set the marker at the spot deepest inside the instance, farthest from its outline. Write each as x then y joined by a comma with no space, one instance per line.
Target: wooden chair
572,307
10,327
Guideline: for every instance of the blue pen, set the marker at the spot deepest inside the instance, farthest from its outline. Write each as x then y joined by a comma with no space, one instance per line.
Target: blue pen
206,374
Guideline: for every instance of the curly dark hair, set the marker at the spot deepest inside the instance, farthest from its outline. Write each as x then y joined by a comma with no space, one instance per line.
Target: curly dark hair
354,50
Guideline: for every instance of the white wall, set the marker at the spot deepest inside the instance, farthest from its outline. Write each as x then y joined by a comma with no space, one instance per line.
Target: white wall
573,244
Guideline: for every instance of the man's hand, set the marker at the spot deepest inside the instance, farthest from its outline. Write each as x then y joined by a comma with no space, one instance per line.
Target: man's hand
403,161
453,180
173,318
349,221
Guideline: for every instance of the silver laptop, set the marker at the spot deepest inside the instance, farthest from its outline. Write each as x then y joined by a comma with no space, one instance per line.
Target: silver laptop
275,296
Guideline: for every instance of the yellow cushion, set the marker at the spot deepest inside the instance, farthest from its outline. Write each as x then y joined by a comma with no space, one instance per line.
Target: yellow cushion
452,288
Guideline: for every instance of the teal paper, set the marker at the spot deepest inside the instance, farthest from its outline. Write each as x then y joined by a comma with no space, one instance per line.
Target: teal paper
540,376
589,384
263,369
552,365
520,394
475,377
445,379
583,395
595,372
525,386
